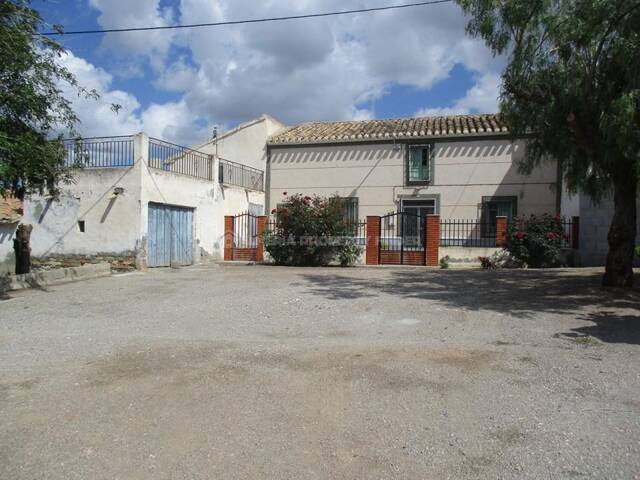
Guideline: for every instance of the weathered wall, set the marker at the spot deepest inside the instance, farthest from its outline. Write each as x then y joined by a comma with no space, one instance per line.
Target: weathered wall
111,221
464,172
595,220
183,191
7,257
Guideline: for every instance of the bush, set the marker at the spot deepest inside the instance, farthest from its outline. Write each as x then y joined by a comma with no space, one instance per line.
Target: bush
537,240
349,254
500,259
444,262
638,251
311,231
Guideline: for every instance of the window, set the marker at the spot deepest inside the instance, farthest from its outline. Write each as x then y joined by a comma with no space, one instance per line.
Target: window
350,209
81,226
493,207
419,160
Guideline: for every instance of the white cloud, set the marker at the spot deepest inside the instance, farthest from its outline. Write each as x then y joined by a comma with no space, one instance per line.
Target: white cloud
153,45
481,98
97,118
301,70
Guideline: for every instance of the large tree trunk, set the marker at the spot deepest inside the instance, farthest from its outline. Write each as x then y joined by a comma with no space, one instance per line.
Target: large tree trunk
22,249
622,233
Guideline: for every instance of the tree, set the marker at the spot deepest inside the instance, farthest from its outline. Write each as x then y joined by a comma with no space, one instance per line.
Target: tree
32,106
572,88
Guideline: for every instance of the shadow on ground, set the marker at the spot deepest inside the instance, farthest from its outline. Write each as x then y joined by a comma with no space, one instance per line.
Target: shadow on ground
523,293
609,328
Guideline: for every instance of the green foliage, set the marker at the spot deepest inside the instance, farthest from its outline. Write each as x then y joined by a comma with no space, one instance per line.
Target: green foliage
32,106
311,231
444,262
572,81
536,240
572,87
638,251
349,253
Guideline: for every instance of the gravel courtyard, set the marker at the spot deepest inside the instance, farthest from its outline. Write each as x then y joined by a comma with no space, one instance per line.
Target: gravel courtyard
225,372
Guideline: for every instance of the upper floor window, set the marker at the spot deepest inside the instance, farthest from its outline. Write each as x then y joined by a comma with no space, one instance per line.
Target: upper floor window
419,164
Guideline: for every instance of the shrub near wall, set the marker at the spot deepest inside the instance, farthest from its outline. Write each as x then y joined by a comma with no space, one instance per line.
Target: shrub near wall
536,240
310,231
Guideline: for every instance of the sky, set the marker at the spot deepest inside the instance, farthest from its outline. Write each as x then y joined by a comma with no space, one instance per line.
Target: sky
179,84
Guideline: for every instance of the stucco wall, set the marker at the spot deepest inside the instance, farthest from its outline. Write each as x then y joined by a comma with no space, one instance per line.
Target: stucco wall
111,221
245,144
183,191
7,258
595,220
464,172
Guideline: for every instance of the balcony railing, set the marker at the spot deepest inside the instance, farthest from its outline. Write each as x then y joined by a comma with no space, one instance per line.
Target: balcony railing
177,159
232,173
99,152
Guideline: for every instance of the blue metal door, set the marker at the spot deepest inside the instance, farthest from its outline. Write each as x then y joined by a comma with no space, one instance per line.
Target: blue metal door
170,235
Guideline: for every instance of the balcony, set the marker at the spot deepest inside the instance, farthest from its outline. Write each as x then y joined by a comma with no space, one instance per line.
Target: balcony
238,175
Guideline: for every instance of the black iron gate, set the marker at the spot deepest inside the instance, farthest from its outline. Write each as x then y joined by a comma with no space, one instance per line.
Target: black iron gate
402,239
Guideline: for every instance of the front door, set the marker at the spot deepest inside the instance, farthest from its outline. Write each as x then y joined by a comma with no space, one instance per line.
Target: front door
417,211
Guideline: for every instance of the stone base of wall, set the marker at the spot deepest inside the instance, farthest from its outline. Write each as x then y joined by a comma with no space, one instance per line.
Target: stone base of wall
119,262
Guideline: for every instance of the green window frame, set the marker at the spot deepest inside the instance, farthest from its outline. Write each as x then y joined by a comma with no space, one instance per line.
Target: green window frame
493,207
419,164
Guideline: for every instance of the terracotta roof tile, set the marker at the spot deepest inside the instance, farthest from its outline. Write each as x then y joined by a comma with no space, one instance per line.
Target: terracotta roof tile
363,131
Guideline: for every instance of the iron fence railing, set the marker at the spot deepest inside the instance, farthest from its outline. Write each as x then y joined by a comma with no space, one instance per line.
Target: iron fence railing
99,152
467,233
245,230
173,158
232,173
358,230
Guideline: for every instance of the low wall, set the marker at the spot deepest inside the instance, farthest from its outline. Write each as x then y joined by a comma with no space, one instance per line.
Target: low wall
121,262
53,277
467,254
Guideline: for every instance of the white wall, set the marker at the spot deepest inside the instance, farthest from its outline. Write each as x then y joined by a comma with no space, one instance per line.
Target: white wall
245,144
111,221
464,172
7,257
595,220
202,195
118,224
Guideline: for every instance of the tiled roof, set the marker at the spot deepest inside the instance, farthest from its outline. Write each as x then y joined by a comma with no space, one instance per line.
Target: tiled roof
10,210
403,128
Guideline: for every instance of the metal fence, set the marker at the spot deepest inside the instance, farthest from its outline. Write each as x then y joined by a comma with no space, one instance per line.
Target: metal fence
467,233
232,173
178,159
358,230
99,152
245,231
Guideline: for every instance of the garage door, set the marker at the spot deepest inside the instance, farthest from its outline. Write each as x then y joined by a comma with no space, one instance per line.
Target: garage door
170,238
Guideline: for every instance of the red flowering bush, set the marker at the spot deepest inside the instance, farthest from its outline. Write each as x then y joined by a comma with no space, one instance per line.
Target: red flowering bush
310,231
536,240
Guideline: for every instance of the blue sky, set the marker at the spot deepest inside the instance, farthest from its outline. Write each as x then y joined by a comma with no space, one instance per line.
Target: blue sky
179,84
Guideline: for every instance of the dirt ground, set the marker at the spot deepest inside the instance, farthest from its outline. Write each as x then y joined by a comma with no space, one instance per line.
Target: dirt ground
265,372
